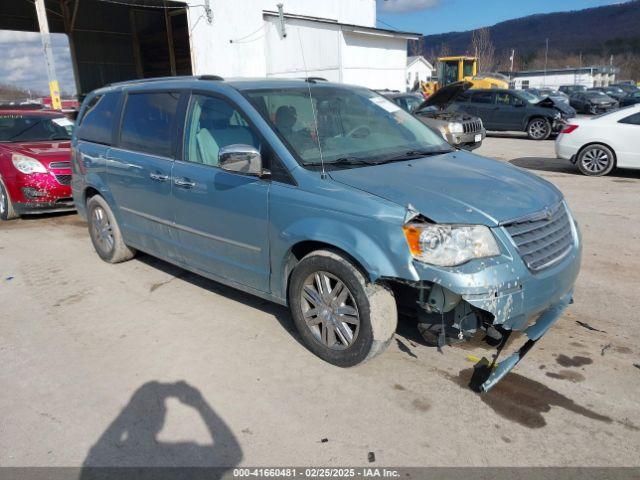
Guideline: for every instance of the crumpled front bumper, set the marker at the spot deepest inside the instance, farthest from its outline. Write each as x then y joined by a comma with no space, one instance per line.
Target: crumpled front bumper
486,375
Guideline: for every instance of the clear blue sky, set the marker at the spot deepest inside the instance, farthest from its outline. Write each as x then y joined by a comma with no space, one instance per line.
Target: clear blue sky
441,16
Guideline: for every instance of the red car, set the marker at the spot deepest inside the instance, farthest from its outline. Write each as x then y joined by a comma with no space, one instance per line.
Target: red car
35,167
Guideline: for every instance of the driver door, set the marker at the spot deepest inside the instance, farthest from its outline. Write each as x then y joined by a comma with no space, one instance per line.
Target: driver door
221,216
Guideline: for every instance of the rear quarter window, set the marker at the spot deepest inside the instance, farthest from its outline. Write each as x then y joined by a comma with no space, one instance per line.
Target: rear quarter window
96,124
147,122
632,119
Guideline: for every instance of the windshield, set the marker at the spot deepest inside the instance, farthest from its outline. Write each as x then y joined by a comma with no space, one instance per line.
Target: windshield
16,127
529,97
354,125
595,94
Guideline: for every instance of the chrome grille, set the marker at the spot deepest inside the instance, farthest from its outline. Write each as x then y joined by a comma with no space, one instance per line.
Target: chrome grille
59,165
64,179
543,239
472,126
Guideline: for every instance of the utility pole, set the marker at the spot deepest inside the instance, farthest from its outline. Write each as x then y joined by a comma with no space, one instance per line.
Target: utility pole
54,88
511,58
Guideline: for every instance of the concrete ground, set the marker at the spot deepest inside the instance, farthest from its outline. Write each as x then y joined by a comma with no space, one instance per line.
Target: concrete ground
144,364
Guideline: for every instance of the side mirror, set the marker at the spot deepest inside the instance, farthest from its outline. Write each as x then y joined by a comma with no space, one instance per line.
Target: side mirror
240,158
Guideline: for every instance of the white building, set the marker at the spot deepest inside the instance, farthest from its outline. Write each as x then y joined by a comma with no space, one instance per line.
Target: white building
113,40
332,39
418,70
554,78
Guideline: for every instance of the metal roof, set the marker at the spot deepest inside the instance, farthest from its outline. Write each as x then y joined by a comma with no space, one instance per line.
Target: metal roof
348,26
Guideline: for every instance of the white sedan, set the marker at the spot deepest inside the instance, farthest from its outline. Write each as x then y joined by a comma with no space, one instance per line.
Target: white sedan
598,145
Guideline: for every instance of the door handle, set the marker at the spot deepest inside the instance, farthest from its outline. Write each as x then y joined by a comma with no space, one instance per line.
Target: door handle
159,177
184,183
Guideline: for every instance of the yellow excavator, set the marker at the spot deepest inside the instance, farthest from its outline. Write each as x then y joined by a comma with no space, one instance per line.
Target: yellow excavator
463,68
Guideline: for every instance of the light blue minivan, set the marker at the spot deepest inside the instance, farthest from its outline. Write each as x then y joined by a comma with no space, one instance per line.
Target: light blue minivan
329,199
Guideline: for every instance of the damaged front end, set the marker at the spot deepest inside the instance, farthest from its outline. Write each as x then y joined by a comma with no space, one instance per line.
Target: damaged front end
523,282
446,317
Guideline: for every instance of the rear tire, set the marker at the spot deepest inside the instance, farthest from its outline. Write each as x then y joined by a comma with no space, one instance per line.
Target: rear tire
341,317
539,128
596,160
105,232
6,207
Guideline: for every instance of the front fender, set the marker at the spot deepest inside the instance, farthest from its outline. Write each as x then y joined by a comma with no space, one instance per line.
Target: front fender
375,250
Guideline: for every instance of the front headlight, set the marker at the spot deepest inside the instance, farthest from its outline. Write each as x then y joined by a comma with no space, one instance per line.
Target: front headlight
27,165
449,245
453,127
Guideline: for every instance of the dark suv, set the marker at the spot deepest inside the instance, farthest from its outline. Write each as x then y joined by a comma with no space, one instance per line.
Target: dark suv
514,110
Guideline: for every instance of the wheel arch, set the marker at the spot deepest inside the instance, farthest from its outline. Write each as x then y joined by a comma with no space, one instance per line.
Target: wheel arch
590,144
535,116
303,248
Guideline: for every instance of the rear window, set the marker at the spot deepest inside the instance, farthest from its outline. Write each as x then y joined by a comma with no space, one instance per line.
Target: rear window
96,123
147,123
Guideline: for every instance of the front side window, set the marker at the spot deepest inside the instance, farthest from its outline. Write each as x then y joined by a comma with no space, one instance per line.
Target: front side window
147,122
213,123
17,127
338,125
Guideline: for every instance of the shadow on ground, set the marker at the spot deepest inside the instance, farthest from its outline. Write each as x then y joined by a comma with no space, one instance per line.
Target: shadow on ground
131,440
564,166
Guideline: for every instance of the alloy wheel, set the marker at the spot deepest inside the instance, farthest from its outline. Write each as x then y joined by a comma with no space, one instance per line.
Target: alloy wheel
102,229
329,310
538,129
595,160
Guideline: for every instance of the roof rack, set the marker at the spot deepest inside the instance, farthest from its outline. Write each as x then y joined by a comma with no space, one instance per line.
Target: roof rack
315,79
210,77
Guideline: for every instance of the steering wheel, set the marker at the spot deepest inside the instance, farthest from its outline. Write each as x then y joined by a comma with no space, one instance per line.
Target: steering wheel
364,129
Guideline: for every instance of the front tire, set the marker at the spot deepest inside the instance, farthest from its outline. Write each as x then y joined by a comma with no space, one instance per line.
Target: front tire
539,129
596,160
341,317
6,207
105,232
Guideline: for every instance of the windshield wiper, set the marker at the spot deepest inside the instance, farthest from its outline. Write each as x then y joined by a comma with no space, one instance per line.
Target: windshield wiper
412,154
347,161
23,131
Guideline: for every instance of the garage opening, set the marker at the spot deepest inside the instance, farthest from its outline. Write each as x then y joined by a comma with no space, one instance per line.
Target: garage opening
111,42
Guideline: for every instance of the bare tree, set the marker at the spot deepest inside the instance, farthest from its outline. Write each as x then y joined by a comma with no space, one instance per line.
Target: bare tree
445,50
415,48
482,47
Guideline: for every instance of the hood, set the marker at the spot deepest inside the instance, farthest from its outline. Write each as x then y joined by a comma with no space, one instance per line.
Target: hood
564,107
44,152
456,187
445,95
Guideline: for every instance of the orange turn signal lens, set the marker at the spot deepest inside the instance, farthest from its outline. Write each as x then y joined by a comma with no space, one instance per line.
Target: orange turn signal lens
412,235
